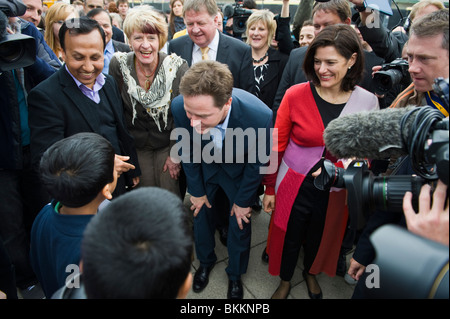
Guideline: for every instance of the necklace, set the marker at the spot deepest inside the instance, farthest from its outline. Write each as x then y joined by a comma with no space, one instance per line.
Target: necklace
147,82
260,60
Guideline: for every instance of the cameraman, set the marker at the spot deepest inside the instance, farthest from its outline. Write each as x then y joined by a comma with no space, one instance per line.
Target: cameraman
34,11
43,51
427,52
20,202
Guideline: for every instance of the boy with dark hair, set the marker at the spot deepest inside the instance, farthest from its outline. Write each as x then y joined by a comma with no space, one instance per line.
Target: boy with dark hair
78,173
139,247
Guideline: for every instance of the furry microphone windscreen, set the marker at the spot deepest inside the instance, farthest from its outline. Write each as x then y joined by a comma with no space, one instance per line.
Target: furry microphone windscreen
374,134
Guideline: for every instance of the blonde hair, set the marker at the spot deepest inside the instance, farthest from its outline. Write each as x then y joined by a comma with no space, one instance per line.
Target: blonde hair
422,4
57,12
266,17
147,20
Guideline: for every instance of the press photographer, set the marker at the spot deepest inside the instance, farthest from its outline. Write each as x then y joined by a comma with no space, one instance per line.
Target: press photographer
428,54
239,16
20,70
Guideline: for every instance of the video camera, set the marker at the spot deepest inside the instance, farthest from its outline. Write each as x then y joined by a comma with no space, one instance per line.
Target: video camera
391,74
16,50
239,15
427,140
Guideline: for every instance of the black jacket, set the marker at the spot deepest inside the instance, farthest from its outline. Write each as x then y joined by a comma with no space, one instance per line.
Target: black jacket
57,110
232,52
10,129
277,62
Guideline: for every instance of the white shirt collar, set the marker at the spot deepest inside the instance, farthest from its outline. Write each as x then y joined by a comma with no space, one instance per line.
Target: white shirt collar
213,47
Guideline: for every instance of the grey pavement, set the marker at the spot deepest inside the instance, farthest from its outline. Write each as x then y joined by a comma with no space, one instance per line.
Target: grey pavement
257,282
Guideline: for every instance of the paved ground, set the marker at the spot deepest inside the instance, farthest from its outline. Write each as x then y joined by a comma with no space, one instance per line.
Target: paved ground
257,282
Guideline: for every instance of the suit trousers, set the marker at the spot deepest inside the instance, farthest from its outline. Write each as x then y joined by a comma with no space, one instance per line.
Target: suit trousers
238,242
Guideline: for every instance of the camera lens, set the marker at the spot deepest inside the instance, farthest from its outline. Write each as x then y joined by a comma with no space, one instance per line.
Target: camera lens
11,51
331,176
239,24
388,192
386,80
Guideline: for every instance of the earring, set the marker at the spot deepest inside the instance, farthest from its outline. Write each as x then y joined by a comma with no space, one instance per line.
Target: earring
349,67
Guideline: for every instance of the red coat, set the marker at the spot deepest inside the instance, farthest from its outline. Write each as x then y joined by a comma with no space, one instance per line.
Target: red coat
299,142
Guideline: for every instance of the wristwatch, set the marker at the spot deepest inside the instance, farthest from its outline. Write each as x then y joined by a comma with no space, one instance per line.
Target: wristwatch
360,8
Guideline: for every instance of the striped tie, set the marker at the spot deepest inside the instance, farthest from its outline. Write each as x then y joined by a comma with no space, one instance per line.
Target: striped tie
205,53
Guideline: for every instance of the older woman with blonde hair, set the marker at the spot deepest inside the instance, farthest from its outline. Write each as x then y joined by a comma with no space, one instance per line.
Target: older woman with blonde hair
54,18
268,63
148,80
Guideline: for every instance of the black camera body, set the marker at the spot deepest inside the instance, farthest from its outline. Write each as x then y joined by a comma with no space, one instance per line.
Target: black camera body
16,50
367,192
239,15
427,143
391,74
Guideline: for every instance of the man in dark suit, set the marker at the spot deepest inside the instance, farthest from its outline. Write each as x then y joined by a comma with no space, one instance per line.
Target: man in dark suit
80,98
324,14
201,17
239,124
104,19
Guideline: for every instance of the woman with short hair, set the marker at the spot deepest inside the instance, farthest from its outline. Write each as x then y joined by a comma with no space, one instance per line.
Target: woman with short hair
148,81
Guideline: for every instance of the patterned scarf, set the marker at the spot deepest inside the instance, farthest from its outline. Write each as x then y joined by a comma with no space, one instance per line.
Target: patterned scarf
156,100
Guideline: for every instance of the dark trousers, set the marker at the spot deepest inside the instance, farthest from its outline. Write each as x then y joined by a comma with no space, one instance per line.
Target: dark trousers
7,274
21,199
305,226
222,209
238,242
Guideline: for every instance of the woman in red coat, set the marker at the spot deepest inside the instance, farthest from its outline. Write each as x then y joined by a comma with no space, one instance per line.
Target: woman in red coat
334,64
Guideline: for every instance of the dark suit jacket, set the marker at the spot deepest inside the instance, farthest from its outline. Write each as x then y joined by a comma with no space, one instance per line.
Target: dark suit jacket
293,73
120,46
118,34
247,112
57,109
232,52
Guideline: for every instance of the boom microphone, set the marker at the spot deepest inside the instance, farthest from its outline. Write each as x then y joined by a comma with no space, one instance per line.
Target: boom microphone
374,134
422,133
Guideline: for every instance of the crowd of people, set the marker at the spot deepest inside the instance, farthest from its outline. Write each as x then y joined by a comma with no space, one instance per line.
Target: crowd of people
125,111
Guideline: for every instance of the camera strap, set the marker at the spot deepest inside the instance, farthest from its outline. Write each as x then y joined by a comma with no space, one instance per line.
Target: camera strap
436,102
